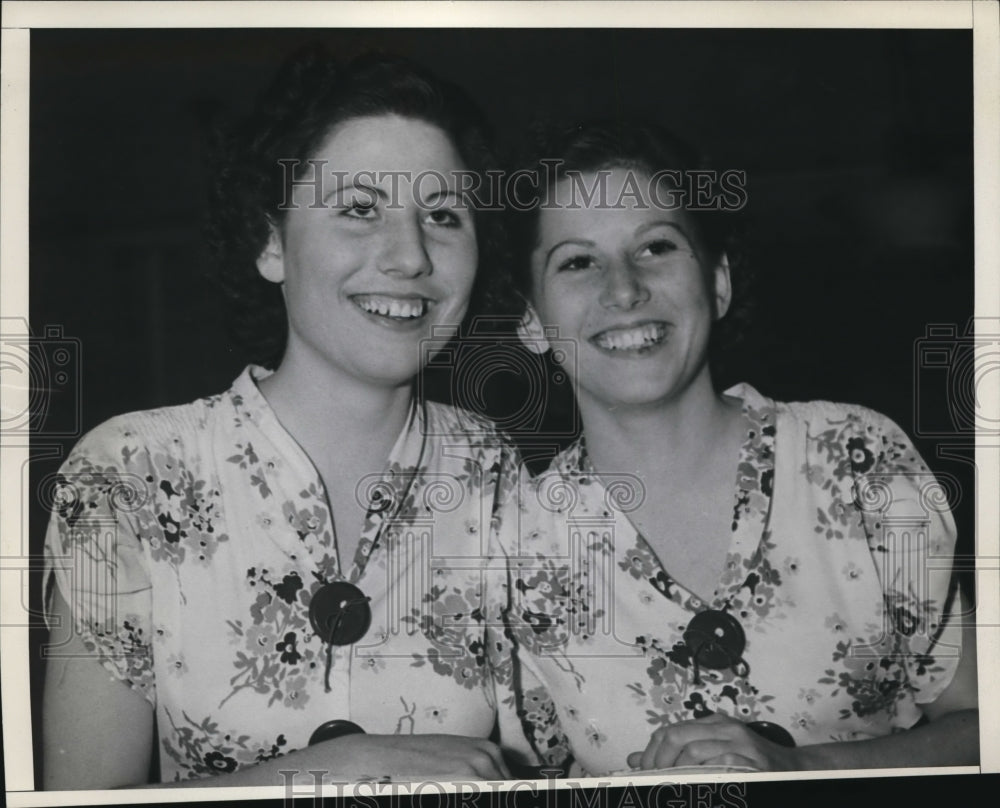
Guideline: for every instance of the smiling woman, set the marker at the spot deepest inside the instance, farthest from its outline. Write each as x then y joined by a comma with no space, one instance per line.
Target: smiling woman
246,587
628,349
372,255
708,578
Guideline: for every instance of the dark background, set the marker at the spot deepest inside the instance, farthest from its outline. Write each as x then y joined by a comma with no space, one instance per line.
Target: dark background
857,147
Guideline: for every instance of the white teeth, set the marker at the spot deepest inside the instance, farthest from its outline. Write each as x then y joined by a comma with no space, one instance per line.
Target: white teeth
624,339
391,306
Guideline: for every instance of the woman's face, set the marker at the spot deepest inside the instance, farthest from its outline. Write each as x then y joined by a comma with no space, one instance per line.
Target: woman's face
374,257
628,286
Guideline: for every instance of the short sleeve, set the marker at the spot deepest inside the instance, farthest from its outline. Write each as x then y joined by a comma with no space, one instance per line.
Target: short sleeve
529,726
93,552
911,535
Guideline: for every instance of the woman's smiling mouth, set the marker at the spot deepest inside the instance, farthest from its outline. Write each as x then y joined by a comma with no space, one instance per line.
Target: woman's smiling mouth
391,307
634,339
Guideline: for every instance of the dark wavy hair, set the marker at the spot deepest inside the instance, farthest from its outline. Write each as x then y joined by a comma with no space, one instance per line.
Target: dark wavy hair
312,93
639,146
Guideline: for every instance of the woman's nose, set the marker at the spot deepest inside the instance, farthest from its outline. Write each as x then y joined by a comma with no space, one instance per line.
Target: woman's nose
623,287
404,252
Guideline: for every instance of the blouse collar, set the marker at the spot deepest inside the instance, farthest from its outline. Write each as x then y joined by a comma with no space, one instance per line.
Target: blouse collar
384,493
753,484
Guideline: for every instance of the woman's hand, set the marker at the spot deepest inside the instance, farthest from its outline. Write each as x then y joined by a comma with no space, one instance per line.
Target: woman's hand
715,740
417,757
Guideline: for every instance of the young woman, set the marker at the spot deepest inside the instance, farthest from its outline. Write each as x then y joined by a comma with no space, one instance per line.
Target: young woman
233,575
708,578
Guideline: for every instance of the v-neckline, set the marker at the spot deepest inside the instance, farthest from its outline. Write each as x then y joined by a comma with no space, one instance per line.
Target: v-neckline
385,495
751,505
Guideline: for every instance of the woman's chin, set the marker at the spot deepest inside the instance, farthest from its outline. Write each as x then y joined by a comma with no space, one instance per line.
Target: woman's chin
638,395
388,371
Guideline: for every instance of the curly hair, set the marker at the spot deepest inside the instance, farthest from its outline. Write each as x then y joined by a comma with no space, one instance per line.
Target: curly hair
312,93
639,146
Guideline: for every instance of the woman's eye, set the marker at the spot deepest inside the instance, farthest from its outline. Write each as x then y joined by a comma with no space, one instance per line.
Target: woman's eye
576,263
361,209
660,247
443,218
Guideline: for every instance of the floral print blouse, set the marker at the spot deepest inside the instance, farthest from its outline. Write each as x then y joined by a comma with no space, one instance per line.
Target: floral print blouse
838,573
189,542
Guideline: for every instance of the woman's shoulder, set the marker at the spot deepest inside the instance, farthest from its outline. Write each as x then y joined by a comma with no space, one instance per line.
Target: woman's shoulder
816,414
859,436
123,438
851,416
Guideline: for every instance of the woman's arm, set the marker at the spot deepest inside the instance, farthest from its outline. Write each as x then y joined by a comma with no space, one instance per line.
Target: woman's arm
950,738
362,757
97,732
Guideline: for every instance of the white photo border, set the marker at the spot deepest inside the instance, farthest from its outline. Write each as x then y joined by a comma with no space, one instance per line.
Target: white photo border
19,17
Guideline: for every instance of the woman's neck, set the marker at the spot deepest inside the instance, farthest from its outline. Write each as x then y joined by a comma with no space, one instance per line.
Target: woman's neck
329,412
664,437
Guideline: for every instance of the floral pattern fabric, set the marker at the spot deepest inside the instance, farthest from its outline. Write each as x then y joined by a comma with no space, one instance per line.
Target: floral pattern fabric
189,542
838,573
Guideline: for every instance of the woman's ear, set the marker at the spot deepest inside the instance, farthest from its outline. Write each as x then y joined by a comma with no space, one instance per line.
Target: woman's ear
271,261
723,286
530,331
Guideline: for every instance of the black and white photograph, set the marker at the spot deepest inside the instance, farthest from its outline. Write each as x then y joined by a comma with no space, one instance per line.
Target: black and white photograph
577,403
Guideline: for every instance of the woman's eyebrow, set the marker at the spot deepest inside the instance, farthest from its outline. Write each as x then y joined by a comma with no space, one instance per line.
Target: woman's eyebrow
438,195
647,226
582,242
362,186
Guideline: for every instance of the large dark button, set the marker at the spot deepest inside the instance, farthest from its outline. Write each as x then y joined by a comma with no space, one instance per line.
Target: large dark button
337,728
339,613
775,733
716,640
